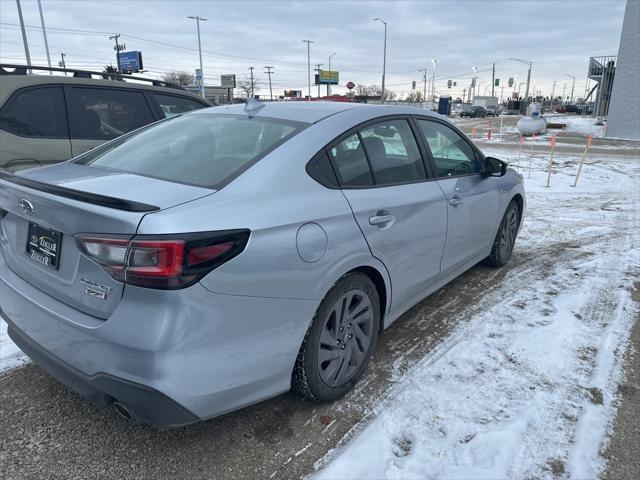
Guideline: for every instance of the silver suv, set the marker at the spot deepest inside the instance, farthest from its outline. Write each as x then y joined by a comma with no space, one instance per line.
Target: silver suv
47,119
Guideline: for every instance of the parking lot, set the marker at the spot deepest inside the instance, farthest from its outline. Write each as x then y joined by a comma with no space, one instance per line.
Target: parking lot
577,256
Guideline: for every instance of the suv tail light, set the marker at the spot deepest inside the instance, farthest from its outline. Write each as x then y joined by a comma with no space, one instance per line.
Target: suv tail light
165,262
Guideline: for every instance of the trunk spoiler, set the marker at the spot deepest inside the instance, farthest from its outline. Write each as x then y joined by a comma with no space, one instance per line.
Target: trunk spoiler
93,198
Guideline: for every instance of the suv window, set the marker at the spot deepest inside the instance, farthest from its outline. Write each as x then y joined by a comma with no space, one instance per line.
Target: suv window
106,113
203,150
451,153
351,161
173,105
36,112
393,153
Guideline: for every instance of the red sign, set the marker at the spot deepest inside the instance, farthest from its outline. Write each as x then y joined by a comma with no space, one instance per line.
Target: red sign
351,85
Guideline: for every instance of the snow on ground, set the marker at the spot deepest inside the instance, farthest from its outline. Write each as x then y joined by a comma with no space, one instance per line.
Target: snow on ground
527,388
10,355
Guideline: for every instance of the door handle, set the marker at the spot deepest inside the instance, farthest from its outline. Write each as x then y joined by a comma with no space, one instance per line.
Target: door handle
381,219
455,201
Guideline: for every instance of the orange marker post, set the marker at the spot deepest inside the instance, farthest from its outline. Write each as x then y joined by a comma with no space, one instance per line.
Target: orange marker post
584,157
489,133
553,145
474,130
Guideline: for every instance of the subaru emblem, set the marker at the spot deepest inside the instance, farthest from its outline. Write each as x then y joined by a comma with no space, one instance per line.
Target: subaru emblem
27,206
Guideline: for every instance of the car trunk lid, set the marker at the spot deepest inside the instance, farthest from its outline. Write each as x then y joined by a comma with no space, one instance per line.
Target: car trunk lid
47,207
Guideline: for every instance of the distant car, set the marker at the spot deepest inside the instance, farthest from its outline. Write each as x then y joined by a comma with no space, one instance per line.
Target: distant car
474,112
492,110
215,259
47,119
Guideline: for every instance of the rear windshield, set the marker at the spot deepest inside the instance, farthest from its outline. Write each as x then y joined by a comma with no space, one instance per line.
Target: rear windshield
202,150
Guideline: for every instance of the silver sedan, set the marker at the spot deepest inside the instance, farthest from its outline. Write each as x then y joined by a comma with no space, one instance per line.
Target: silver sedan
218,258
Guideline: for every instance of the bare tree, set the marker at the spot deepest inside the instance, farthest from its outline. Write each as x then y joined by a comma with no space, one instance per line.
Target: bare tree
415,96
110,73
179,78
377,91
362,90
244,85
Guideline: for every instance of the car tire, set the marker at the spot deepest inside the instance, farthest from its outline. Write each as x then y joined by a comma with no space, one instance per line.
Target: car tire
505,238
339,343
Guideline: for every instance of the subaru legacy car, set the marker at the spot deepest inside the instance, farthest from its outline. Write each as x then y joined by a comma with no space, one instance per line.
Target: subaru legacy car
226,255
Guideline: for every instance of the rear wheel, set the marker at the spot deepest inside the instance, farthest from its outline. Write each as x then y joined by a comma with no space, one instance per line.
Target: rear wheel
340,341
506,238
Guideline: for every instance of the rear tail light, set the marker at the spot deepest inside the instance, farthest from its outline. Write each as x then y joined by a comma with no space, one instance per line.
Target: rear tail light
163,261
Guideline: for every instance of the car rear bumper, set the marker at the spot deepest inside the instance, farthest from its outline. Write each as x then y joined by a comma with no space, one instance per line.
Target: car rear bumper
171,358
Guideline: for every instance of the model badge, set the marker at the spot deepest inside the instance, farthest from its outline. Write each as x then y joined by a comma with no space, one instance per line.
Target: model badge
26,205
95,289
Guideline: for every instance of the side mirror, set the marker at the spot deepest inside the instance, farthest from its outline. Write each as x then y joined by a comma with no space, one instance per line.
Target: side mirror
494,167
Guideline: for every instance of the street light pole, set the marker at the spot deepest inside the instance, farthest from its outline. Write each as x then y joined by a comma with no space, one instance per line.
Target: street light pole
530,63
424,95
24,35
329,84
198,20
308,42
553,89
384,57
433,81
573,85
44,33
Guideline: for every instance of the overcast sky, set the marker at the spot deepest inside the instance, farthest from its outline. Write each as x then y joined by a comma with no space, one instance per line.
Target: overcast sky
559,36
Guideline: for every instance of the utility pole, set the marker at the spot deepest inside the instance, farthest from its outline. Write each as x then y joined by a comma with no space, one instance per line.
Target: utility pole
553,89
384,57
424,95
44,33
317,69
118,48
62,62
270,90
464,95
564,88
308,42
251,69
24,35
329,84
198,20
493,79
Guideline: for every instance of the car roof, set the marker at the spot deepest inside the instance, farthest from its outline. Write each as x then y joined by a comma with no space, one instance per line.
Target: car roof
10,83
312,112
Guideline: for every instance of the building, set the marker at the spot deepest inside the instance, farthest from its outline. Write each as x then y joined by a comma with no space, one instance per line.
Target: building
217,95
624,106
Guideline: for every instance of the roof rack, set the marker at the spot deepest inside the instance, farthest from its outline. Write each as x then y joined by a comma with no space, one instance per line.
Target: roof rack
23,69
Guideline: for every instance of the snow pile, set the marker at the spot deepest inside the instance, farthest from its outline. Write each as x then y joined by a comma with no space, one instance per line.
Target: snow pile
525,389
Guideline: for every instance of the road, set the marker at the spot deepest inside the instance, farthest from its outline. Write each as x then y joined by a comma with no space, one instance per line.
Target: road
46,431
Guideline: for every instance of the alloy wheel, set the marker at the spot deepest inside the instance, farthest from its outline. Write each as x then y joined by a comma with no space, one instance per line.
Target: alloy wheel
345,338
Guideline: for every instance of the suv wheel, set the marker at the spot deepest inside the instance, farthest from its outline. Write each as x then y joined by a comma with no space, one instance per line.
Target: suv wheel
340,341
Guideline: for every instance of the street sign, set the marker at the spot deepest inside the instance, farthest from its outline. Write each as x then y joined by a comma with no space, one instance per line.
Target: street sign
328,77
350,85
228,81
497,84
198,78
130,62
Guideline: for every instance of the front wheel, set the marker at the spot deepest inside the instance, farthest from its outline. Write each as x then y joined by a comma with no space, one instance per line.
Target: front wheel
506,238
340,341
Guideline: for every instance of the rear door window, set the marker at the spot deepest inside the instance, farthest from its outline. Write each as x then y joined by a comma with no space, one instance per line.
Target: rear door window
351,161
174,105
36,112
106,113
393,153
199,149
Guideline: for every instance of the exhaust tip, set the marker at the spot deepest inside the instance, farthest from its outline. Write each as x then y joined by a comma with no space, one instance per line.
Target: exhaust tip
123,411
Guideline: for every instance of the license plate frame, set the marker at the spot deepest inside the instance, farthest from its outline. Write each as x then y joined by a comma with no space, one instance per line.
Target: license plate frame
43,245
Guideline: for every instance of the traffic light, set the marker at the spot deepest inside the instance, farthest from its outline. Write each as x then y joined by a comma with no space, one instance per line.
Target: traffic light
449,83
413,85
510,82
497,82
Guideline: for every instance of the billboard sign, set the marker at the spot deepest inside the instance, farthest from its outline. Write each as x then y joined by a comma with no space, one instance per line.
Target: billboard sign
228,81
329,77
130,62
